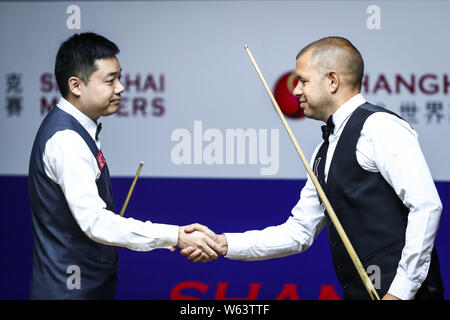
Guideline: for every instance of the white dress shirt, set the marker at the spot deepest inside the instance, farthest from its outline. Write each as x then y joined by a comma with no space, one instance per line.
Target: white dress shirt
69,162
387,145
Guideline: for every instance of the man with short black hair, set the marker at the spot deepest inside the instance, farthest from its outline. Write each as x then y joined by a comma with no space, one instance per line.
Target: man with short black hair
75,229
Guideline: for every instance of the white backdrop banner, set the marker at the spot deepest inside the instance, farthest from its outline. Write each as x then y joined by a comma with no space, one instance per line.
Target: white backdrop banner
194,106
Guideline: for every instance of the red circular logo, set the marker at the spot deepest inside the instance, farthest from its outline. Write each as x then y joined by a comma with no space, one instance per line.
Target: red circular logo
283,93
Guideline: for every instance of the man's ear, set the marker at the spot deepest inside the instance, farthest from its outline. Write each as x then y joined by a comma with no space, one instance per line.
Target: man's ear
74,86
333,80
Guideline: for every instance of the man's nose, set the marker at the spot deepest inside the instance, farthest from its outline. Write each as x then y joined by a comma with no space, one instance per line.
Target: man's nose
298,90
119,88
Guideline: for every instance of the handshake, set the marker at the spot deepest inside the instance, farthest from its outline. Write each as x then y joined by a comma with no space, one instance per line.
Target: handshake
198,243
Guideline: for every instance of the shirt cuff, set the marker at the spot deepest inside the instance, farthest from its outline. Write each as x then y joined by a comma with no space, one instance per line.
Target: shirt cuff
235,251
403,288
167,234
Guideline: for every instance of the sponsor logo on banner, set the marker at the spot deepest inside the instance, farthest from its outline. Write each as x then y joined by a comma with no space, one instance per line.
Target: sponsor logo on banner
411,86
196,290
49,92
13,94
143,96
285,98
396,84
407,86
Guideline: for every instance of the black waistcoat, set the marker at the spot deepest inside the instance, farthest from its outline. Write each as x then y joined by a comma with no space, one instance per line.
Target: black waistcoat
372,215
60,247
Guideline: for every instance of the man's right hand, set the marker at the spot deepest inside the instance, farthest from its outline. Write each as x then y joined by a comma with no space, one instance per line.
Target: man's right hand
196,254
198,243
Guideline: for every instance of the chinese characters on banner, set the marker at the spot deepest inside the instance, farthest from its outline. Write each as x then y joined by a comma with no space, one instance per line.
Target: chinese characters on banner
13,94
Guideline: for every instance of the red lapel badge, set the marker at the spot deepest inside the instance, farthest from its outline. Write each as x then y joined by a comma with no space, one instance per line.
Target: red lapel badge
101,160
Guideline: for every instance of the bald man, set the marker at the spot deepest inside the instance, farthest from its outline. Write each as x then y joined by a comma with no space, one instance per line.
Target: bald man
372,170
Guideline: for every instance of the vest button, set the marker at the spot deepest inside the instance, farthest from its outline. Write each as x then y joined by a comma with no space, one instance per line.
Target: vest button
345,286
334,244
339,266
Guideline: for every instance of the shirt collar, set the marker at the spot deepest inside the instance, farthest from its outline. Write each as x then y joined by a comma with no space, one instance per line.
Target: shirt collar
345,110
84,120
